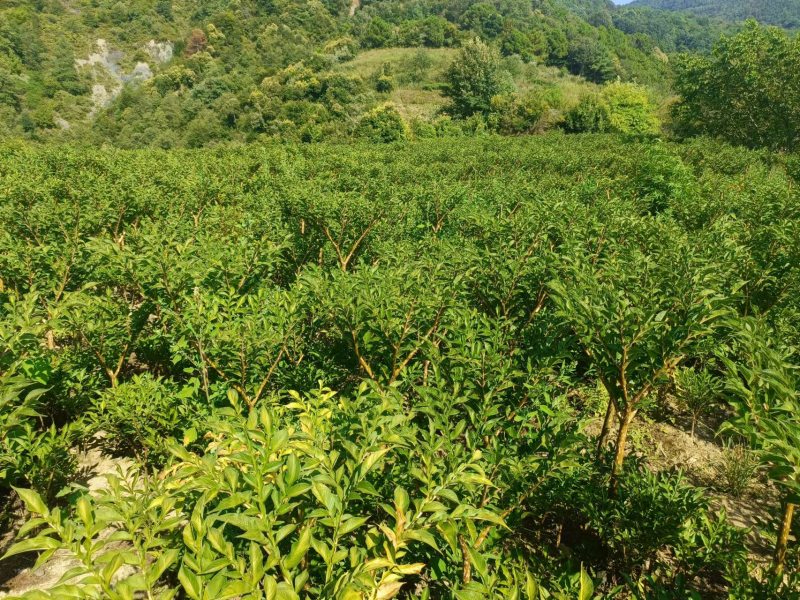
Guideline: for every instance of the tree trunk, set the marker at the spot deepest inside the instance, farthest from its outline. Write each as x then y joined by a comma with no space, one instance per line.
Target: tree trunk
783,539
610,414
625,419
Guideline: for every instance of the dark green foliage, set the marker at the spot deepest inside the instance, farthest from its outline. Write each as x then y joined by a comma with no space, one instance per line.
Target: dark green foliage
475,77
515,42
484,20
784,13
217,56
657,510
431,32
697,391
746,92
140,414
670,32
378,34
591,59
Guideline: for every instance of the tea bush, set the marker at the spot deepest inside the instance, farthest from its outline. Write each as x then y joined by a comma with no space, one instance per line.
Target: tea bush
359,371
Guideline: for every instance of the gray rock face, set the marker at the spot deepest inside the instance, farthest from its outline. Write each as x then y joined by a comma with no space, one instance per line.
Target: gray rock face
160,52
141,72
108,76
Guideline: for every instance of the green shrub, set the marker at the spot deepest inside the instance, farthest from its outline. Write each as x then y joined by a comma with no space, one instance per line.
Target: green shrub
697,391
41,460
630,109
422,129
378,34
591,115
384,84
619,108
513,114
745,92
416,69
141,414
383,124
737,468
461,293
656,511
517,43
475,77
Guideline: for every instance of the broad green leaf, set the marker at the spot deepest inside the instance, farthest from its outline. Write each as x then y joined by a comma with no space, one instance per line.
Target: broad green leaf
299,549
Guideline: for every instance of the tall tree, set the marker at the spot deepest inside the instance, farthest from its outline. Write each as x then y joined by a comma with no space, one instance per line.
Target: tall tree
746,92
474,77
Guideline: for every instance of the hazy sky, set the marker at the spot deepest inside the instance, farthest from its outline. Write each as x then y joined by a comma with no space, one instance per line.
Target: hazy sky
621,1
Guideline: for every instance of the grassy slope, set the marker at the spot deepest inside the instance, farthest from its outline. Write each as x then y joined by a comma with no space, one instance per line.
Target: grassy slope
412,99
421,100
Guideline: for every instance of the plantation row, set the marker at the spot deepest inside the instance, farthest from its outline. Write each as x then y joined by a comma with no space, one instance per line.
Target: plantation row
367,372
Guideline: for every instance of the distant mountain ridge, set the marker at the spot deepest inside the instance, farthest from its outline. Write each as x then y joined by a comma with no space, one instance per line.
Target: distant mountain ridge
783,13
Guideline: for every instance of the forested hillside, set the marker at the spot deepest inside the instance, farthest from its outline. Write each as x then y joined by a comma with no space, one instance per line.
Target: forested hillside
173,73
782,13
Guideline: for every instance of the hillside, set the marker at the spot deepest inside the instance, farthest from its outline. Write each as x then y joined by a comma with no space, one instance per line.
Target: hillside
782,13
173,73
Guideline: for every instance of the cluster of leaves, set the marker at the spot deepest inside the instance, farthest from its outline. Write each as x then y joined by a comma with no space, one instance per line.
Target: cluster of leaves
455,296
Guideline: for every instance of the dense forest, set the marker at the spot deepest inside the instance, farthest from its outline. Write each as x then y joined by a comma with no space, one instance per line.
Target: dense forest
187,74
783,13
333,300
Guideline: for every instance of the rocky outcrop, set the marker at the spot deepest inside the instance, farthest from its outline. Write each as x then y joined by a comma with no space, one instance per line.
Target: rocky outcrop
107,75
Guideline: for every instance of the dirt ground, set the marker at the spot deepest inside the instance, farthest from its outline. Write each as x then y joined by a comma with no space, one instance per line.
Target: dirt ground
665,443
16,574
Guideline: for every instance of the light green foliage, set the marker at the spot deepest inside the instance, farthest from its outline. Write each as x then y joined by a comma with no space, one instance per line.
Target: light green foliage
737,468
620,108
383,124
630,111
419,65
475,77
457,294
512,114
591,115
308,500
